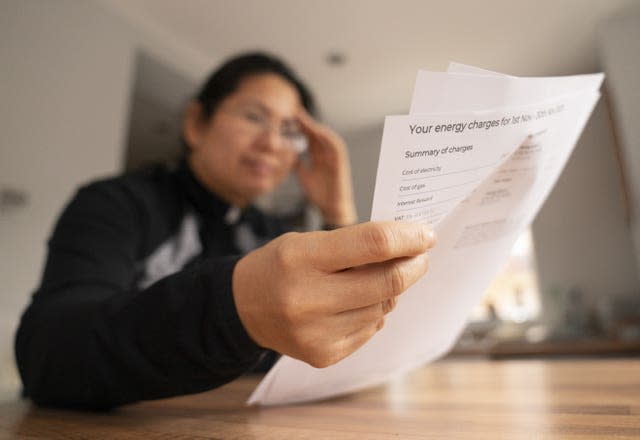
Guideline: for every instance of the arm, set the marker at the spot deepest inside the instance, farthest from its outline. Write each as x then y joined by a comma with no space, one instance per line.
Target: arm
89,340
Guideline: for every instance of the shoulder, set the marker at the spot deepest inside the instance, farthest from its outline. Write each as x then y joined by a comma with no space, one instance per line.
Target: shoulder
148,202
153,184
154,189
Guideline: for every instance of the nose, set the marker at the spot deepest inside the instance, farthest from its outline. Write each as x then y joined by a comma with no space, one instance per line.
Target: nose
270,139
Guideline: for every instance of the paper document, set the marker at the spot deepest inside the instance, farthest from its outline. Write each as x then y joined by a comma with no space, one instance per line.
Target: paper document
475,158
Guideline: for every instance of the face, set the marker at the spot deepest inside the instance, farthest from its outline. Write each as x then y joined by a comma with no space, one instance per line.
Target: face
247,147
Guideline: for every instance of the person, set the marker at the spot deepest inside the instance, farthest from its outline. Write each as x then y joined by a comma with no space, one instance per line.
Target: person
166,282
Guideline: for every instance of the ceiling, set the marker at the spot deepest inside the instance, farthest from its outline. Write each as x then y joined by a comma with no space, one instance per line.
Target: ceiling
384,42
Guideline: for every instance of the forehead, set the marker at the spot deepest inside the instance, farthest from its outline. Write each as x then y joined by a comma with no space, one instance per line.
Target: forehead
268,90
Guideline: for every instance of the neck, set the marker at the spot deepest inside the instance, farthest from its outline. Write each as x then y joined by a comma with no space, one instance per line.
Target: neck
211,184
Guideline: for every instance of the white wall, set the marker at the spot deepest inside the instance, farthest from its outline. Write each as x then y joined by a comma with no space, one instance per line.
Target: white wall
620,54
67,69
580,236
364,149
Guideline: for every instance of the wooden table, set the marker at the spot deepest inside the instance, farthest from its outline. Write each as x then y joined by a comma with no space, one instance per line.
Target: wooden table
451,399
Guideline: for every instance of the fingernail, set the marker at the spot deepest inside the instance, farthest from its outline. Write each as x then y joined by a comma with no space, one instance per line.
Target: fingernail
422,261
394,302
389,305
430,234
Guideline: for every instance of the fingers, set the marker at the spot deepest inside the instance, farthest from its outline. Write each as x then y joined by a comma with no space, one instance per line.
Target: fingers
310,126
319,135
343,346
349,321
303,171
374,284
370,320
367,243
389,304
355,340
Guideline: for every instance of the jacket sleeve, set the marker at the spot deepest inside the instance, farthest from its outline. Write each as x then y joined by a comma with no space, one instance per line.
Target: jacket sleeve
88,340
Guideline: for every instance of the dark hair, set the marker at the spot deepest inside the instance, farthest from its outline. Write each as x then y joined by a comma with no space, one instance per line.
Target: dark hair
225,80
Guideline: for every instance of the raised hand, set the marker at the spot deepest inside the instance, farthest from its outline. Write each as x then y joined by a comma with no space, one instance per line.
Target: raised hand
326,178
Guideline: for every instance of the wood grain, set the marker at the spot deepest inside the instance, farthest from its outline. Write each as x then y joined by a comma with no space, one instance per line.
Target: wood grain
452,399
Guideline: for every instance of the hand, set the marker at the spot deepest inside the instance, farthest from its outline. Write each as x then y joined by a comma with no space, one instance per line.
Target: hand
319,296
326,180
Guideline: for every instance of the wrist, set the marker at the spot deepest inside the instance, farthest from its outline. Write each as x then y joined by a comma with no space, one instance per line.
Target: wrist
243,301
341,217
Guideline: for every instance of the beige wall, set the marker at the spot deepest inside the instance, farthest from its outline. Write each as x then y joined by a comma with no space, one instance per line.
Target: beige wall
67,69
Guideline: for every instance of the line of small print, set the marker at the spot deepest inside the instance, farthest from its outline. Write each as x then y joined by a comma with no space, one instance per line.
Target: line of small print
430,218
452,172
441,189
431,204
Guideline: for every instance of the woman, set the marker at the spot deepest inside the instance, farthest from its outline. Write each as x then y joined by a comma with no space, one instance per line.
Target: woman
152,289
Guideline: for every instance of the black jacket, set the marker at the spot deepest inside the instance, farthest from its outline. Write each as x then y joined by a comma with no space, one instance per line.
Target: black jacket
135,301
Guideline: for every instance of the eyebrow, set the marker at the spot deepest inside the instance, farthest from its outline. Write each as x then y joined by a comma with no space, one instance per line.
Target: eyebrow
265,109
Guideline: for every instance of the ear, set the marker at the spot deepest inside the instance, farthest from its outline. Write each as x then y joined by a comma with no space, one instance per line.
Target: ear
192,125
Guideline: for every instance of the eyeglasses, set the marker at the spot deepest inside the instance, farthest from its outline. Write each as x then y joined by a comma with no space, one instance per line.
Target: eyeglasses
256,121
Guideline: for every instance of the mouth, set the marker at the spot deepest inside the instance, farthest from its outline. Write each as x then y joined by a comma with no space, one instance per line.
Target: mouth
259,167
